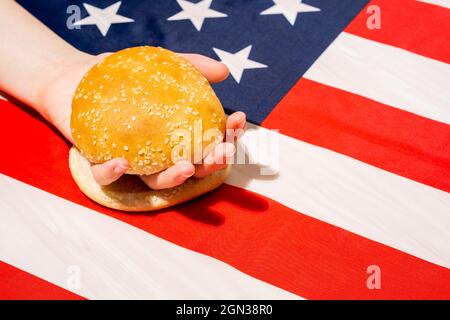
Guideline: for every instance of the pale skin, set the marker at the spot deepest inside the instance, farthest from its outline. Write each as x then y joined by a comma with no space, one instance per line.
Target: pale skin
42,70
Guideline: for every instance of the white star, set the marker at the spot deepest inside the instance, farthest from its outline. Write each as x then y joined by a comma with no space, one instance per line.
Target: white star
289,8
196,12
238,62
103,18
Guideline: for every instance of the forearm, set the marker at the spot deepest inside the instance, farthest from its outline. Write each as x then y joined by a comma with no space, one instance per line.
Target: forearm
31,55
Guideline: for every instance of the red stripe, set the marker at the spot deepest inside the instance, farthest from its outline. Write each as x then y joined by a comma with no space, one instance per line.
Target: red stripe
389,138
409,24
16,284
252,233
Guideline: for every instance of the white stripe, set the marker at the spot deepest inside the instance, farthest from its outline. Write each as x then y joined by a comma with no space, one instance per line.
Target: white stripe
442,3
45,235
353,195
386,74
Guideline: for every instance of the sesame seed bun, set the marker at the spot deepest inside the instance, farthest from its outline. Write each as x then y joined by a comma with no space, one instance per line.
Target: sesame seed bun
133,105
129,193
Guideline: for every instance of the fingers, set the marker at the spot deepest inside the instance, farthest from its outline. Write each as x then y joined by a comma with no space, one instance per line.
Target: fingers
180,172
110,171
171,177
213,70
223,152
235,125
236,121
216,160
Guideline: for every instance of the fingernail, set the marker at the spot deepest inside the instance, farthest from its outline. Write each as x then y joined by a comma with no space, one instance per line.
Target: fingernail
239,116
187,171
230,150
120,168
230,153
210,159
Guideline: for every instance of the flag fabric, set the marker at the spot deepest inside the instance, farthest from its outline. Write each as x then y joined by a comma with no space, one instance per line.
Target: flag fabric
359,207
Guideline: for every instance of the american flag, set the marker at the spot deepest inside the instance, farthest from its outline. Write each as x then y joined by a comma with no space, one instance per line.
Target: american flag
360,207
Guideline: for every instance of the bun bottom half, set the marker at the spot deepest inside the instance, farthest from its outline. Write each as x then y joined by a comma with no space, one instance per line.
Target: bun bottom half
129,193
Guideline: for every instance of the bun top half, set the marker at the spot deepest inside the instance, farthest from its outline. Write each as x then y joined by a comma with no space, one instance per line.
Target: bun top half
143,104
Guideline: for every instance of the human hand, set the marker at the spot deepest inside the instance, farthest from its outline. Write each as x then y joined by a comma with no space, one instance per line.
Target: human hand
57,98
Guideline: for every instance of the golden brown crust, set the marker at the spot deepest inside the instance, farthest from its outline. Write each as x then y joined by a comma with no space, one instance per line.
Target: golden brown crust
129,193
131,103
